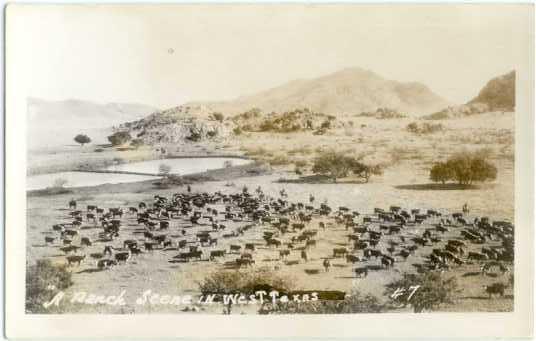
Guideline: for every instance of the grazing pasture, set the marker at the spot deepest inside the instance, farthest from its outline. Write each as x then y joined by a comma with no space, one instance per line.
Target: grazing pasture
167,241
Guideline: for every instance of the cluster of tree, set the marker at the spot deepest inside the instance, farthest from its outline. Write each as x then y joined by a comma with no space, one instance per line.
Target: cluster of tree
338,165
464,168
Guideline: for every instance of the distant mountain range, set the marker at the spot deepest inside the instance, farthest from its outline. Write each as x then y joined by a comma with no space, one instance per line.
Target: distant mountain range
499,94
54,123
351,90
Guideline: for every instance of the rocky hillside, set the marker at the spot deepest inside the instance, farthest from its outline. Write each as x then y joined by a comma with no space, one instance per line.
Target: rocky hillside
497,95
177,125
350,91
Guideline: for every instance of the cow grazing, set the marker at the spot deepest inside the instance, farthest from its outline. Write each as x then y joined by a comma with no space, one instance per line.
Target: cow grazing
75,259
495,288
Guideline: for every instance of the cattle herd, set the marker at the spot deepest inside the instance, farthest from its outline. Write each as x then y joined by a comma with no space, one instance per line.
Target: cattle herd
211,227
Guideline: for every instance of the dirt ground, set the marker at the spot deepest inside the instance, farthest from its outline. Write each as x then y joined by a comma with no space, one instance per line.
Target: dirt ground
407,157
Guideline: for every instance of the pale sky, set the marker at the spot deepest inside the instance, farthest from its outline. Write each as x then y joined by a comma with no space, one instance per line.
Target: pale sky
121,53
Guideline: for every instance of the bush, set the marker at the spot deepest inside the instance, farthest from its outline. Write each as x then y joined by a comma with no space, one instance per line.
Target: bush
164,169
43,282
237,131
425,128
465,168
82,139
119,138
217,116
338,165
229,282
440,172
422,291
354,304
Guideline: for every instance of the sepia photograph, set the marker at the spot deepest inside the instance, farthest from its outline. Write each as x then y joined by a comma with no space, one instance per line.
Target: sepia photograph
274,159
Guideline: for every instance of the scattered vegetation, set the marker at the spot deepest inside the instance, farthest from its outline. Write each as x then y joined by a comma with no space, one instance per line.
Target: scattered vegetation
353,304
424,128
286,122
43,281
230,282
119,138
217,116
423,292
383,114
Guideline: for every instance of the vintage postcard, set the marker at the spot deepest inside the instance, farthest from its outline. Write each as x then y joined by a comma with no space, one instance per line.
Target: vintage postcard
274,170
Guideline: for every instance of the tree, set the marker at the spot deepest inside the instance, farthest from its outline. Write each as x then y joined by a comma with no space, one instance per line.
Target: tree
422,291
364,171
440,172
82,139
333,164
337,165
119,138
465,168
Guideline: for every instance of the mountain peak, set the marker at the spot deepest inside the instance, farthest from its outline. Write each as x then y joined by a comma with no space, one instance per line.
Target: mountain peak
348,91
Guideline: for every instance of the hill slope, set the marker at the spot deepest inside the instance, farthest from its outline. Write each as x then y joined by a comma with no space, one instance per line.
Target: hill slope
499,94
54,123
352,91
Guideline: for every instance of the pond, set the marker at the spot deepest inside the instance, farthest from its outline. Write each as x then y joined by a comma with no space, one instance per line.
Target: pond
181,166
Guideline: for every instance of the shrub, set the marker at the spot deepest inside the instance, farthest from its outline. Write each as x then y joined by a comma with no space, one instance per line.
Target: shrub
355,303
217,116
229,282
82,139
465,168
237,131
164,169
424,128
422,291
338,165
440,172
43,281
119,138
